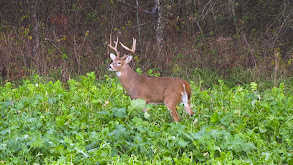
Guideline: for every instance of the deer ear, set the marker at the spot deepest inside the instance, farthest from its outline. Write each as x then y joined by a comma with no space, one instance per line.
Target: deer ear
112,56
128,59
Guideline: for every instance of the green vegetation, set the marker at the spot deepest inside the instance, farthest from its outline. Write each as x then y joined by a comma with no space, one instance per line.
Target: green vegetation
89,121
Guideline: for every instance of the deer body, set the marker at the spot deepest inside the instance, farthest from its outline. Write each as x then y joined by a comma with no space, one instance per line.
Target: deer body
154,90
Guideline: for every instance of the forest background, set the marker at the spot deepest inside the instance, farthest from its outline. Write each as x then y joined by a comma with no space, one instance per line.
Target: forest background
242,41
236,54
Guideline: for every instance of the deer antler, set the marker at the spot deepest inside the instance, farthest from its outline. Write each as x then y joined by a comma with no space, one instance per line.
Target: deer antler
132,50
115,47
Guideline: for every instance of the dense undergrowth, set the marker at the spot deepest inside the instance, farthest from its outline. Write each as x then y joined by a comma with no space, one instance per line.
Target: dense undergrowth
89,121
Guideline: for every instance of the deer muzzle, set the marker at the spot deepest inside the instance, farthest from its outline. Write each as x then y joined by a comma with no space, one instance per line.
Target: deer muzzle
109,67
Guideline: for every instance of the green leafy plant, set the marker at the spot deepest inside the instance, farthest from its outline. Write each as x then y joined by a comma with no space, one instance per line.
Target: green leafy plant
94,122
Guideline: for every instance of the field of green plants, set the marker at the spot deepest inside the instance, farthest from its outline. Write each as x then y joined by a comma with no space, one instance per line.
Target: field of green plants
89,121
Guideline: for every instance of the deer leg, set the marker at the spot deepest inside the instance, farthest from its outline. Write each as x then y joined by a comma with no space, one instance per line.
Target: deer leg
172,108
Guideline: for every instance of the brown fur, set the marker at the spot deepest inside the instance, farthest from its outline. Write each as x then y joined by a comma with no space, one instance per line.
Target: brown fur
168,90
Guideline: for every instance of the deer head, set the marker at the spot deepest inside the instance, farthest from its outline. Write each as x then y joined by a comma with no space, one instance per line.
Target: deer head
119,63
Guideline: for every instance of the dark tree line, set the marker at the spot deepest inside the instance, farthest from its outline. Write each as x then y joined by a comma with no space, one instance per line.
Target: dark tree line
67,37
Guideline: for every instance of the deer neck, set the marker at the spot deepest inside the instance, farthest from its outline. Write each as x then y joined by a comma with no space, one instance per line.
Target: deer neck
127,74
128,78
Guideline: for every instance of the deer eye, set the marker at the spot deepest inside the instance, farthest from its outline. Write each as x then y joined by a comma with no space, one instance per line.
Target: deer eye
119,62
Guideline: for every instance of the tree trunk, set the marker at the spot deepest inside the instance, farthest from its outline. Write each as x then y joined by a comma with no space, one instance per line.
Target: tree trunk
160,26
234,16
35,35
138,26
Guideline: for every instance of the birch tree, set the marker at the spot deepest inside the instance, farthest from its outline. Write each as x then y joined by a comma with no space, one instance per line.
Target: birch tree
160,27
35,34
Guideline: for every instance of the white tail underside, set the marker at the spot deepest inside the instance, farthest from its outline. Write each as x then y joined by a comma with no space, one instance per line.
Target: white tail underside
184,97
185,100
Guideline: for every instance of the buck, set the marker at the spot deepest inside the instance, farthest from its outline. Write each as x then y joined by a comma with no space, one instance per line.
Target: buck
154,90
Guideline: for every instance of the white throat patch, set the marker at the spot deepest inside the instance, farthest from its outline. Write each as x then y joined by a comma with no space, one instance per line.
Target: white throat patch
118,74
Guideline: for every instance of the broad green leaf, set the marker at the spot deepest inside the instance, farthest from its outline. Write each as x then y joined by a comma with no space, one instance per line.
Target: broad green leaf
147,115
32,120
5,132
39,142
15,160
136,105
119,112
182,143
4,105
3,146
52,100
19,105
262,129
215,117
60,149
60,120
120,132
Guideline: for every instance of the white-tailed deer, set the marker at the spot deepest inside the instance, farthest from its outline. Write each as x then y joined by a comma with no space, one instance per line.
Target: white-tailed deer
154,90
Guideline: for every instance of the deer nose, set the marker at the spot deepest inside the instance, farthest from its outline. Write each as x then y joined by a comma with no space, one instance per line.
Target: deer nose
109,67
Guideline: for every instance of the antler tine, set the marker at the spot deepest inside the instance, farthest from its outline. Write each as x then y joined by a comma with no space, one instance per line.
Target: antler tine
115,47
132,50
